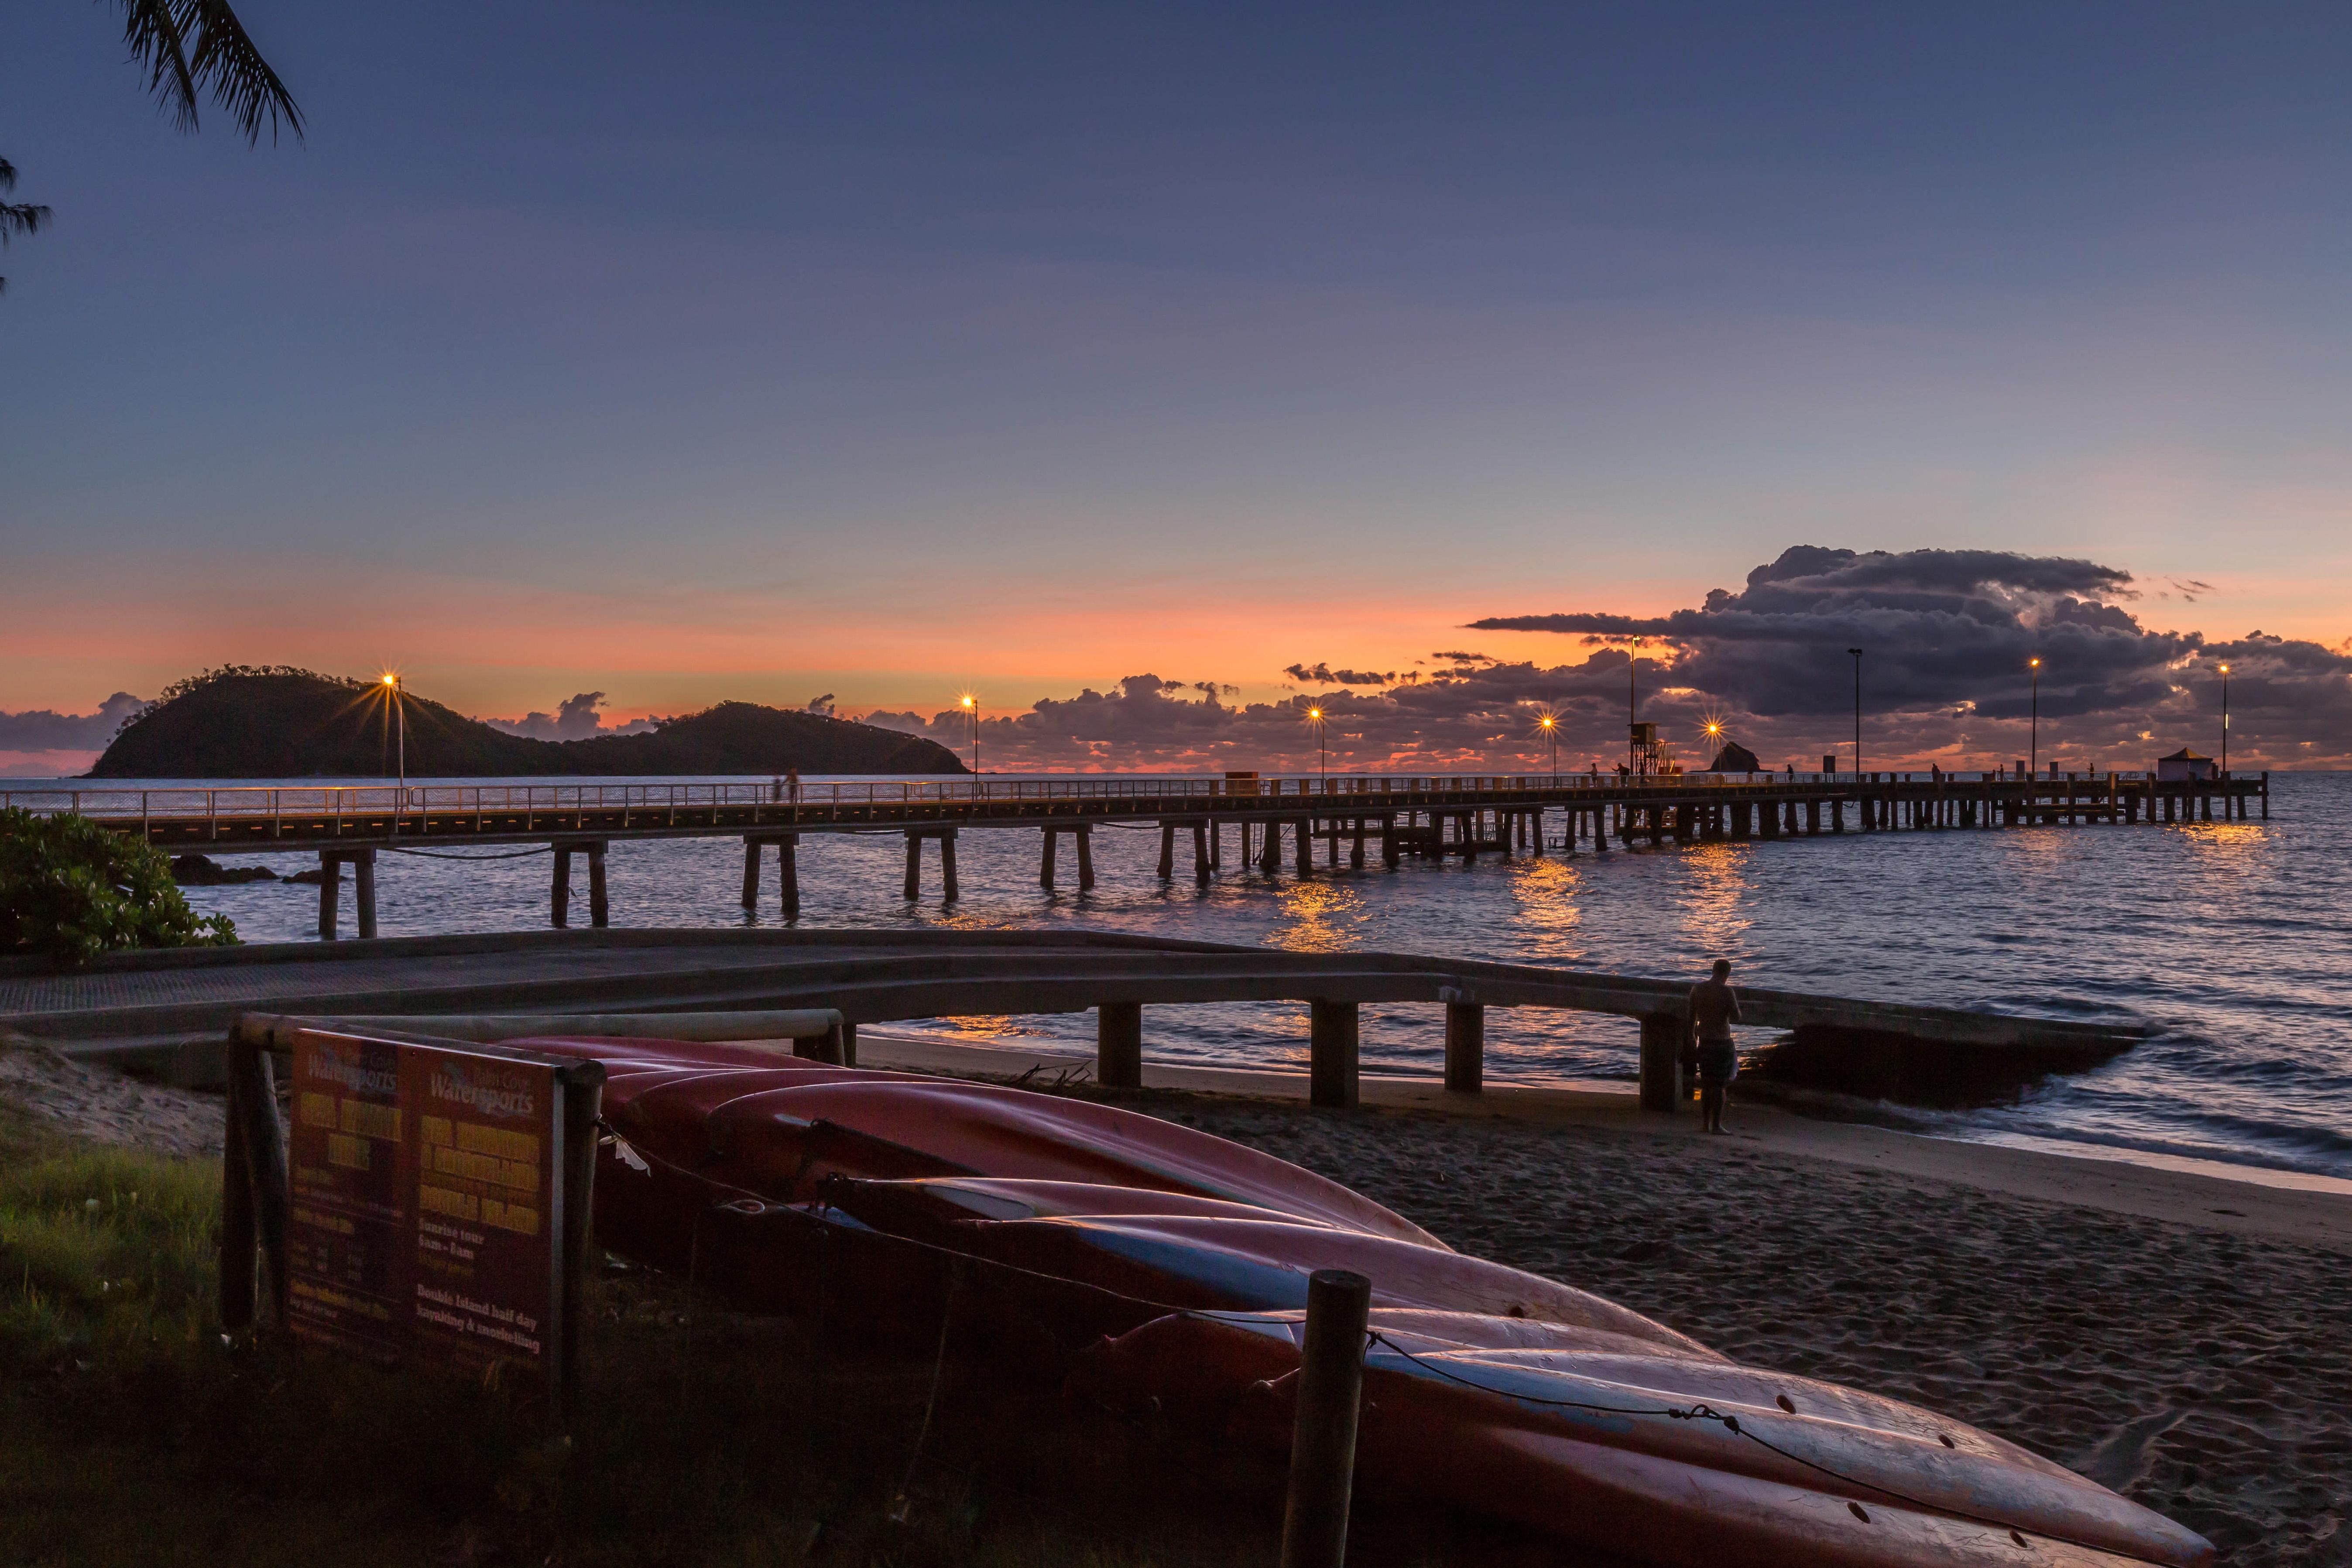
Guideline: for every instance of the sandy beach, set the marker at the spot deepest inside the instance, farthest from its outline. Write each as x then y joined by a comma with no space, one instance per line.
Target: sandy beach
2181,1337
2184,1339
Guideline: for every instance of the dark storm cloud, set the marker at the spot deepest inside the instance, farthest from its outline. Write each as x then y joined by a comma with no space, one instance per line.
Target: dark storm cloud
1948,637
1324,674
1946,634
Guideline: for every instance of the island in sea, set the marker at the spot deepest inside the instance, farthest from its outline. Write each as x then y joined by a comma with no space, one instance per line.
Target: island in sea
244,723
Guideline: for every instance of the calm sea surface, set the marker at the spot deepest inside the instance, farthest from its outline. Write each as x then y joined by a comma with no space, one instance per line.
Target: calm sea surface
2234,939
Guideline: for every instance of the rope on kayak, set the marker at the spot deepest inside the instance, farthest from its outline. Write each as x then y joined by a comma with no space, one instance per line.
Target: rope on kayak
899,1505
444,855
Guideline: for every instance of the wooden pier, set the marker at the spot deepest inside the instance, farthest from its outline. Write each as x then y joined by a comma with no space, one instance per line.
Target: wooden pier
1271,820
169,1011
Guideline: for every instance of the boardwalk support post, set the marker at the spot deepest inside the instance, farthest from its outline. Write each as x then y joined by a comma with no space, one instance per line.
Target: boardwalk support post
331,892
559,895
599,909
364,889
1466,1046
1662,1061
1331,1041
1118,1045
1085,831
949,890
1323,1439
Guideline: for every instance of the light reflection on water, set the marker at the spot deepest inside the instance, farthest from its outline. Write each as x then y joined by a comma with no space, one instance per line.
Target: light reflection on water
2231,937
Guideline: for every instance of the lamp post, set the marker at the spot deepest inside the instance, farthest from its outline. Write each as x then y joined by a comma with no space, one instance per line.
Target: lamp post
399,711
1715,731
1857,710
971,708
1633,710
2225,721
1322,747
1551,733
2033,735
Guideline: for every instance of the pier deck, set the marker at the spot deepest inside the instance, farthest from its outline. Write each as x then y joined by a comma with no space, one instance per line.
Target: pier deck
1426,816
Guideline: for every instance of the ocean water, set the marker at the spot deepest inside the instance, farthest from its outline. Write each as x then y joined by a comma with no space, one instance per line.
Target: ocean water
2232,939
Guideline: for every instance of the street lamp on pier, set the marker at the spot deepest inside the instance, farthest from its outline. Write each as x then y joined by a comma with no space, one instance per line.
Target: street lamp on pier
1550,723
2225,721
1322,745
971,709
1857,710
399,711
1633,710
2033,735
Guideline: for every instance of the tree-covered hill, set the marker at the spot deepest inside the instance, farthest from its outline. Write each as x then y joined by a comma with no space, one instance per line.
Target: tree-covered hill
243,723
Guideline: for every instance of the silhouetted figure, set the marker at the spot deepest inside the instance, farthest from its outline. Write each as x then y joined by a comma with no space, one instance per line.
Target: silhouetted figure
792,783
1714,1008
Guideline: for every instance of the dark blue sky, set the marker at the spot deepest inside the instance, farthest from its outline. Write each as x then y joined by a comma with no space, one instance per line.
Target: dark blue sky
695,350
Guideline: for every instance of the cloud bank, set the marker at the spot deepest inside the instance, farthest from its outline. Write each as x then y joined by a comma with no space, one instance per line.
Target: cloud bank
1947,636
40,743
575,718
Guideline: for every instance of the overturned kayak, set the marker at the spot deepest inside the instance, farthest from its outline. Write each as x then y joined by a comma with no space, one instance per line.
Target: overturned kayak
1152,1265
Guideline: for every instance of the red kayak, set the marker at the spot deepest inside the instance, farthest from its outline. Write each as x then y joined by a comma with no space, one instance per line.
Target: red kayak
1159,1264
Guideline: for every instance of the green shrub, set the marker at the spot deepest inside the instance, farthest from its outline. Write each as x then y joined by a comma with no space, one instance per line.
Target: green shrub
73,890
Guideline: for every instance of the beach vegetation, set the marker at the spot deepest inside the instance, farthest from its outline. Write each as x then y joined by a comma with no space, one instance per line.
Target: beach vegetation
71,889
131,1431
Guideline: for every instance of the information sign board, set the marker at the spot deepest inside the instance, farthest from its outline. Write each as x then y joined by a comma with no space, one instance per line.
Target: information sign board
426,1212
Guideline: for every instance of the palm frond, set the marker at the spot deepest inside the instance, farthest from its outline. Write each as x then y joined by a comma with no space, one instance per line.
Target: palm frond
189,47
17,217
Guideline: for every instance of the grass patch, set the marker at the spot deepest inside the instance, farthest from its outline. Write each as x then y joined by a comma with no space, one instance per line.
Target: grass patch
131,1433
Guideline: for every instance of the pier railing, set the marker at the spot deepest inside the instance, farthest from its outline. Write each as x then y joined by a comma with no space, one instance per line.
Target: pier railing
331,801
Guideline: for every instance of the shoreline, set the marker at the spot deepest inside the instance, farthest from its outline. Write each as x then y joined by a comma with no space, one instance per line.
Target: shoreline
2254,1201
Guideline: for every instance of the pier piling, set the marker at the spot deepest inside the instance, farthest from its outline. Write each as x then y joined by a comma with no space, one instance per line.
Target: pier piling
1331,1052
1118,1045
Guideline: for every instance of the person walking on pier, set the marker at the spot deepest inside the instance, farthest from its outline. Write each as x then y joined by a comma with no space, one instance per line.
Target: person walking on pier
1714,1008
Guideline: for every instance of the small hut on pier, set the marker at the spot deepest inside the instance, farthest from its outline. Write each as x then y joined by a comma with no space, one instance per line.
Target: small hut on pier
2184,764
1734,758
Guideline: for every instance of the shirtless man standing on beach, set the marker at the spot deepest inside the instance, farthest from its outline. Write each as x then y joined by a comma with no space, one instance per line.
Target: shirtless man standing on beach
1714,1008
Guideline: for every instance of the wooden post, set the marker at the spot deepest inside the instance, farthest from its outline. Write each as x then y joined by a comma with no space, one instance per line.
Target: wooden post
788,874
825,1048
1662,1061
1466,1046
751,873
364,889
1216,844
1391,851
1118,1045
849,1044
599,910
583,1092
331,892
240,1255
1305,828
914,883
1356,853
1323,1437
1270,861
949,890
1200,852
261,1138
559,897
2266,794
1167,850
1331,1041
1045,867
1085,834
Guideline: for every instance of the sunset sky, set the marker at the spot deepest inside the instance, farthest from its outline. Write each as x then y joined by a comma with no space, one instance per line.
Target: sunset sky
700,350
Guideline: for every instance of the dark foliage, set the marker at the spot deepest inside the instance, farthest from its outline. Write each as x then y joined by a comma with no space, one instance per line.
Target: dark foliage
71,889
